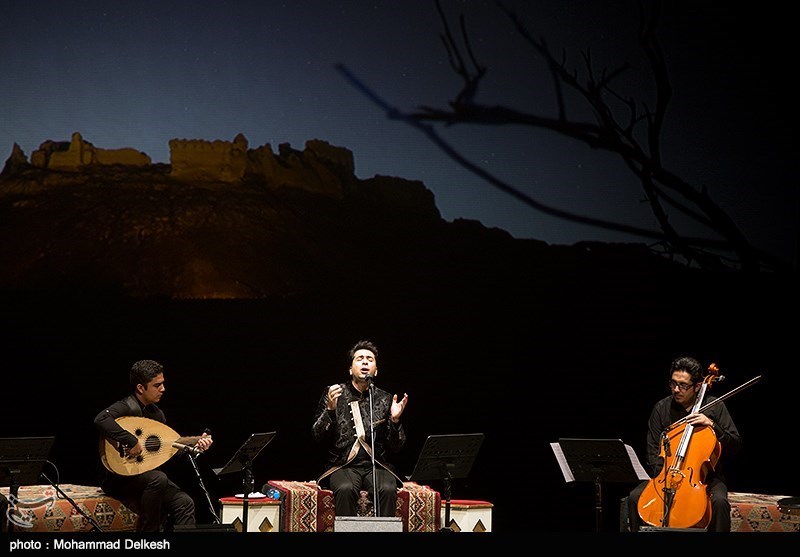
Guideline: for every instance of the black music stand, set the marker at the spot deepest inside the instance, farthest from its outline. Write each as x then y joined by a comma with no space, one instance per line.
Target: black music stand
447,457
598,461
242,461
21,463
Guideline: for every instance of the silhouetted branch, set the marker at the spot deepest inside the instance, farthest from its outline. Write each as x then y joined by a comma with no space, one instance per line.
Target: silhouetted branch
394,113
606,132
471,80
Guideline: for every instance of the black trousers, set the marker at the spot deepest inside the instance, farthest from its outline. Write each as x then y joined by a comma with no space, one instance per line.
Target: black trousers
157,500
720,506
347,482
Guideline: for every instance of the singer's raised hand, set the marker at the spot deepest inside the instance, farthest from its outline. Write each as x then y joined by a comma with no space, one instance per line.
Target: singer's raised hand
398,406
334,392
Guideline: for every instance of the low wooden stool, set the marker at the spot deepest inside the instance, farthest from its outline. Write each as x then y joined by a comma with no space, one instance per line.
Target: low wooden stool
263,514
468,515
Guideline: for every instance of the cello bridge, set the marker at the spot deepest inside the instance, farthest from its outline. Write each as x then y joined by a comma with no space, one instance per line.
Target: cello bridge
676,477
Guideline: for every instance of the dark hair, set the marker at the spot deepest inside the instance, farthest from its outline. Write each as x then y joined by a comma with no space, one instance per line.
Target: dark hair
363,345
690,366
143,371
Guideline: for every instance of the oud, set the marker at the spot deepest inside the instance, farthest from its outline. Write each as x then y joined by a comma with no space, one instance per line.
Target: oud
160,443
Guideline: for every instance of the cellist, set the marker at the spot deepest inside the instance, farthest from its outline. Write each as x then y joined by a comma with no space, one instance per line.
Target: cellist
685,382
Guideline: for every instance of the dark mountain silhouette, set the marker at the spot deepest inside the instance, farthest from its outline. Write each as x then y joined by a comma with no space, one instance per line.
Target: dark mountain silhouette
250,274
142,231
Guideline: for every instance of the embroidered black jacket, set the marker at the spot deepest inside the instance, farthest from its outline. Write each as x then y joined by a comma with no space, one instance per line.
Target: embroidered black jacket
336,429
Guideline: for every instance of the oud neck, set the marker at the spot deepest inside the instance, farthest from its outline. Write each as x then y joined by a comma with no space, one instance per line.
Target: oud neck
188,440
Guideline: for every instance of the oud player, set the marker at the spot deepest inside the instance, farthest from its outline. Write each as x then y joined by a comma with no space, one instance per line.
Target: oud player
159,502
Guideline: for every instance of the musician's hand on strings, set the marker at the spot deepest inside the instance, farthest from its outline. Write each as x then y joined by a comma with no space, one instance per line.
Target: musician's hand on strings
699,419
136,450
204,442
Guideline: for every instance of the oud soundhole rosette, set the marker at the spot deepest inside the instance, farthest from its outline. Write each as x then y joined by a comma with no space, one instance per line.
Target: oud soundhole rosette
152,444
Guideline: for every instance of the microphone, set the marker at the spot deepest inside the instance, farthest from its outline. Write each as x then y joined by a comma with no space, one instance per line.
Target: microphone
188,449
369,379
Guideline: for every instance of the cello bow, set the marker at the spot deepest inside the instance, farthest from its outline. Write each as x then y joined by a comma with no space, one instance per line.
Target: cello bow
719,399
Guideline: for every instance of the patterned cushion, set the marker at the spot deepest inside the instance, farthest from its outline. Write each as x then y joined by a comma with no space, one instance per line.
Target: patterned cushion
306,507
310,508
754,512
40,508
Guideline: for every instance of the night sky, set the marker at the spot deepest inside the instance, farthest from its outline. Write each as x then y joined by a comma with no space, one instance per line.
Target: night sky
137,74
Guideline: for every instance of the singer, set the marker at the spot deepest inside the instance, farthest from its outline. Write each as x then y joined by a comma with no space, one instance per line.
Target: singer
159,502
359,424
685,383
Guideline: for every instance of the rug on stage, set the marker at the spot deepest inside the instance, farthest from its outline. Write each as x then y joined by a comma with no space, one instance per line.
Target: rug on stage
754,512
309,508
420,508
306,507
41,508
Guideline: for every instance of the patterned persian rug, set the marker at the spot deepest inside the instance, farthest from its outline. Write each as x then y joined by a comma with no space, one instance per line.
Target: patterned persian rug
40,508
306,507
754,512
309,508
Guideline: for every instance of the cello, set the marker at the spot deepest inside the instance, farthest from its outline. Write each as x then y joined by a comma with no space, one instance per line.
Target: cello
678,498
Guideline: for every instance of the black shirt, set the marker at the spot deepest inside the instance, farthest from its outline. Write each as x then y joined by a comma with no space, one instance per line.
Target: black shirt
666,412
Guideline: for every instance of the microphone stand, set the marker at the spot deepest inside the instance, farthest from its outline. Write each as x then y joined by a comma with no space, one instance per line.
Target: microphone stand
192,455
375,505
95,526
248,484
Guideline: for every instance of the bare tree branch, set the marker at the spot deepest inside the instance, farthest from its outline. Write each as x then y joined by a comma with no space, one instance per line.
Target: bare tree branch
606,132
393,113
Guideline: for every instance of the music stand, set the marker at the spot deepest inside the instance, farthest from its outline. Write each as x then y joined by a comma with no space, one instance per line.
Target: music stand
242,461
21,463
447,457
598,461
